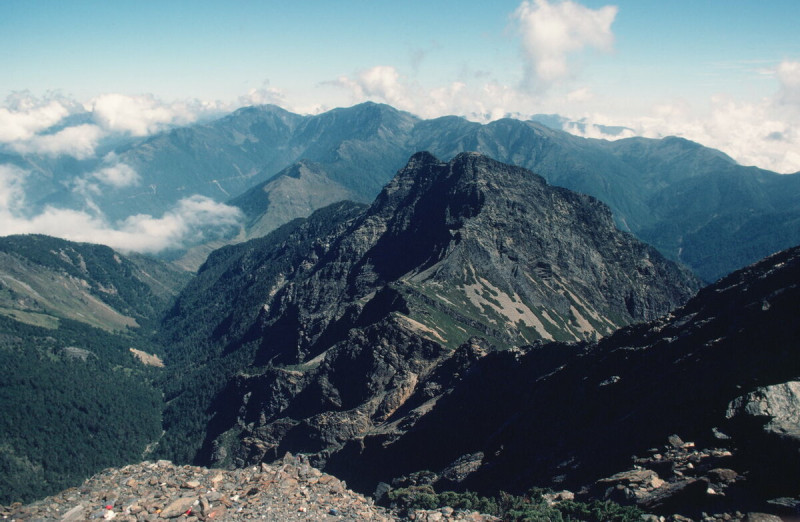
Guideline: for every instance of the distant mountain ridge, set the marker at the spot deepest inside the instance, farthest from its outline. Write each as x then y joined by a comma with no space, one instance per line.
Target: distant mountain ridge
694,204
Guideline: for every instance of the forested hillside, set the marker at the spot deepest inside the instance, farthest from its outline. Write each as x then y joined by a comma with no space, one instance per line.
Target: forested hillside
73,400
80,368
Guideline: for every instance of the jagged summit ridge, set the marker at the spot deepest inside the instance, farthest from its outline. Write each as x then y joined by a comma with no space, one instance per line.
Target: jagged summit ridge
364,304
544,247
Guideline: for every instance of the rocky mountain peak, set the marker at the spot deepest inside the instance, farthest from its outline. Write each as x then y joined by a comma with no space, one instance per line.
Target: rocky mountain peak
324,330
476,221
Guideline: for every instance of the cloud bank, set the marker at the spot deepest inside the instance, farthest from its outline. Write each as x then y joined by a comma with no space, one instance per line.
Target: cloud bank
47,126
189,221
763,133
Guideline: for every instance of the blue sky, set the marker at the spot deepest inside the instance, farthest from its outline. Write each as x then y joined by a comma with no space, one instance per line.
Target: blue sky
725,73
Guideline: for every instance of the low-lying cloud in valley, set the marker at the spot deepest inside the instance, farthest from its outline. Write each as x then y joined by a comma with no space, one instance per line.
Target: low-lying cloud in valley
191,220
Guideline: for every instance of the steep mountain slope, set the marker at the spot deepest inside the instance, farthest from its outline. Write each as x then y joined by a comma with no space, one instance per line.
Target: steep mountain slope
43,279
336,319
295,192
722,370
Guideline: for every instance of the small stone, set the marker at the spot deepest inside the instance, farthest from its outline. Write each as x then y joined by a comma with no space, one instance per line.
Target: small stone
675,441
191,484
761,517
205,506
723,475
74,515
178,507
216,513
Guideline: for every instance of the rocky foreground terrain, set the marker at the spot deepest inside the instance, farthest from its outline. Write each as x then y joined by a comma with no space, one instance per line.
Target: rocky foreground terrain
288,490
292,490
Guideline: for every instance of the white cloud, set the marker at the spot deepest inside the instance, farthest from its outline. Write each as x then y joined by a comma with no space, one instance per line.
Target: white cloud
78,141
552,31
139,115
266,95
485,102
763,133
26,121
116,173
581,95
30,125
381,83
12,191
191,220
788,74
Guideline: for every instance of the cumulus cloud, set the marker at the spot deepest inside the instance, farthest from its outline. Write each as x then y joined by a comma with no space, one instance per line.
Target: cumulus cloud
266,95
581,95
191,220
552,31
788,74
483,102
28,119
139,115
382,83
55,125
12,191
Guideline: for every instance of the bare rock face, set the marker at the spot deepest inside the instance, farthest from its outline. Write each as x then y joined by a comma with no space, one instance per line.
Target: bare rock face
778,405
353,321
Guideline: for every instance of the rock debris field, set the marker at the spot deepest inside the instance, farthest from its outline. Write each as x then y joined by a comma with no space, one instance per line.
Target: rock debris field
286,491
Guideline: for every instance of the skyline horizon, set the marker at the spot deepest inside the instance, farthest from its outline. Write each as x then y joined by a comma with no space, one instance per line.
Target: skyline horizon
727,77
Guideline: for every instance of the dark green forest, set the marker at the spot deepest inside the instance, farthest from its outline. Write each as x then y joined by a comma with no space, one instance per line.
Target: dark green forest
73,401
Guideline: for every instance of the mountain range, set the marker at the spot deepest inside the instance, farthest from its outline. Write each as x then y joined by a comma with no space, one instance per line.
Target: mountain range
696,205
473,325
421,340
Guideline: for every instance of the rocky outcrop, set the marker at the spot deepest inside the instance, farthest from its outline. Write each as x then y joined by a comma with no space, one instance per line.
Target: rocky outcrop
719,371
778,405
354,324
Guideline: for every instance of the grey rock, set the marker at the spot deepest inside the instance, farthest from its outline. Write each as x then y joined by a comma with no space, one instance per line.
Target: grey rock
178,507
778,404
762,517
